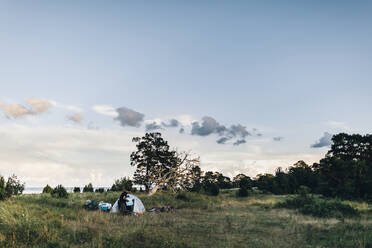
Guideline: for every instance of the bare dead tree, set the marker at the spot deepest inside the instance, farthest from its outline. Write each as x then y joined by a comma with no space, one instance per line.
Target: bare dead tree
177,176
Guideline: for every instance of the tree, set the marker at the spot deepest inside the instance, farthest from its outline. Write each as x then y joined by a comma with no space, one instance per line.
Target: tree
346,171
223,181
76,190
242,181
194,180
100,190
59,192
177,176
3,195
265,182
14,186
158,166
122,184
47,189
210,183
301,174
88,188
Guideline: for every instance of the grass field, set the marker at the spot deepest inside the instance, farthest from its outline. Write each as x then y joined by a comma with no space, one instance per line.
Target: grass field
201,221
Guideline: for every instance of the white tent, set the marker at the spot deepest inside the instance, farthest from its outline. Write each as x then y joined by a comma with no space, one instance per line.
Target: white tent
138,207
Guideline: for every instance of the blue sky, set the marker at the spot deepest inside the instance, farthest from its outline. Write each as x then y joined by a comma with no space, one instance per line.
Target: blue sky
290,69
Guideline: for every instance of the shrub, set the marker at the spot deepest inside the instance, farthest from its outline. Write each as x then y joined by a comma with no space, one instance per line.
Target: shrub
11,187
319,207
303,191
329,208
182,196
59,192
47,189
242,192
88,188
211,189
122,184
76,190
100,190
14,186
2,188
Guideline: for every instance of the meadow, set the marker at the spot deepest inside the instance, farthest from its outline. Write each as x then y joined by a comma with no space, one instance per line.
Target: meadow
200,221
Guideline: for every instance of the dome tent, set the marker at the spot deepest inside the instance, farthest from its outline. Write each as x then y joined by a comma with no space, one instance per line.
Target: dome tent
138,207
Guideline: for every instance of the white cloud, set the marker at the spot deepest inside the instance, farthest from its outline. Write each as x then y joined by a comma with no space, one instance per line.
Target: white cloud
105,110
67,107
185,120
36,106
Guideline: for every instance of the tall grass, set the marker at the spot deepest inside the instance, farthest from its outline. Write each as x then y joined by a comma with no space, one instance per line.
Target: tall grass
200,221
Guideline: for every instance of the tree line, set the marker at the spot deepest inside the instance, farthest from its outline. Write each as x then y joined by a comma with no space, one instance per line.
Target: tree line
345,172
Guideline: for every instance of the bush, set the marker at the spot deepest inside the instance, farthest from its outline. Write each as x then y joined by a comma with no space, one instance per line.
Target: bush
88,188
182,196
2,188
11,187
76,190
59,192
122,184
242,192
329,208
319,207
100,190
14,186
303,191
211,189
296,202
47,189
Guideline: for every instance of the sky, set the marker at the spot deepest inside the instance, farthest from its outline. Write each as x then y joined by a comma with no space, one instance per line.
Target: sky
248,86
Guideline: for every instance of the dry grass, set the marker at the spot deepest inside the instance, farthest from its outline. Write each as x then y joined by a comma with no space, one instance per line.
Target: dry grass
224,221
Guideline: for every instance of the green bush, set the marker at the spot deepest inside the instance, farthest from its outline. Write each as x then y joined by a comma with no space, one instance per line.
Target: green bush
47,189
242,192
14,186
303,191
329,208
122,184
100,190
295,202
59,192
76,190
182,196
323,208
211,189
88,188
11,187
2,188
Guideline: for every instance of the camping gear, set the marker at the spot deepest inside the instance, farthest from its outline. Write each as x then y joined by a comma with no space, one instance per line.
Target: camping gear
91,205
134,204
104,206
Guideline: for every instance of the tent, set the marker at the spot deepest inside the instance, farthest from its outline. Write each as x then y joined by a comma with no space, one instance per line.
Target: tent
138,207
